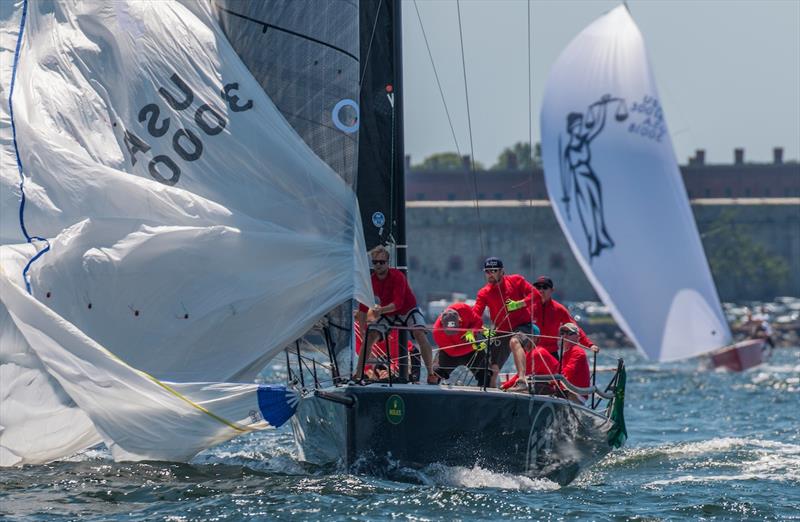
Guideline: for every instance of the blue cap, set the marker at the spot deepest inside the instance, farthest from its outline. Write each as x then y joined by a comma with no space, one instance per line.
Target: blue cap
535,329
493,262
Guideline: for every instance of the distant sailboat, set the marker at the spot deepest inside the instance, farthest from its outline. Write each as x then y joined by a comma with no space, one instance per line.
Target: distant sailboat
618,195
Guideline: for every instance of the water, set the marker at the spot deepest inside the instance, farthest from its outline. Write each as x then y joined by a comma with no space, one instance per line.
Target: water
703,445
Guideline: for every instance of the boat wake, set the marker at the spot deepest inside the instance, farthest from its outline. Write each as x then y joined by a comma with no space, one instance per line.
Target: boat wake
714,460
437,474
477,477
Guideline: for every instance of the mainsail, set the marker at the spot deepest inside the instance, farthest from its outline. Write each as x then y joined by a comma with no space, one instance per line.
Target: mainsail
165,233
617,193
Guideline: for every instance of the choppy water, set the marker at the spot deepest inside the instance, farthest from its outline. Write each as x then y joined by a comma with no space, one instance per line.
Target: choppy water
703,445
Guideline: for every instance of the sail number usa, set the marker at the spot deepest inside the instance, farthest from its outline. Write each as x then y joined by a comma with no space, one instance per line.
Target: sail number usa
187,143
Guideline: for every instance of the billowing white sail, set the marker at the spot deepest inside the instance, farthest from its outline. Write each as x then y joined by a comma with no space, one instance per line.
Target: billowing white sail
165,232
617,193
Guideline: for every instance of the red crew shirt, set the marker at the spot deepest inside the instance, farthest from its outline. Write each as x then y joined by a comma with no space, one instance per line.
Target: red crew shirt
575,367
539,361
455,345
393,289
513,287
549,317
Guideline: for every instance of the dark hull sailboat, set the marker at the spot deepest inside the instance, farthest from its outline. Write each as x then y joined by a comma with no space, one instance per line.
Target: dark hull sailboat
370,428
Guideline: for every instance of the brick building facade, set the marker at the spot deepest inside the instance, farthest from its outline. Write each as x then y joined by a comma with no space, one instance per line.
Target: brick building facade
445,250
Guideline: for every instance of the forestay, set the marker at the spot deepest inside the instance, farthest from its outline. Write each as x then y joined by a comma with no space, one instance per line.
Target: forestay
617,193
192,234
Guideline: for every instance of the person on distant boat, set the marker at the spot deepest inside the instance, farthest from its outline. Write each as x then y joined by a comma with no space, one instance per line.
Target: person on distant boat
761,327
551,315
459,333
397,306
574,364
511,301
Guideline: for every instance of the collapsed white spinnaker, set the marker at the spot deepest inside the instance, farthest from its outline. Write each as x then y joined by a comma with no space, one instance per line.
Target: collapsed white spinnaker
618,195
192,234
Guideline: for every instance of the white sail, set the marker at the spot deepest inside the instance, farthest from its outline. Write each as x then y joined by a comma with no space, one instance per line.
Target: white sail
617,193
165,231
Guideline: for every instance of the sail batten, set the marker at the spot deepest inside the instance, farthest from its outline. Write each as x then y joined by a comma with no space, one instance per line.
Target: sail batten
611,173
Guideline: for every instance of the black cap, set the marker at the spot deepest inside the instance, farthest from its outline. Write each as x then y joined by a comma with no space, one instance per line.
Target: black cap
493,262
544,281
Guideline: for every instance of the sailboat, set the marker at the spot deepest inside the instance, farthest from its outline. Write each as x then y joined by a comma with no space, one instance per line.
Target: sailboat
618,195
372,426
181,185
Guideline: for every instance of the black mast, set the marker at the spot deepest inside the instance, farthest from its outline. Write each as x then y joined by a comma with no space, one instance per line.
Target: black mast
381,153
380,183
399,178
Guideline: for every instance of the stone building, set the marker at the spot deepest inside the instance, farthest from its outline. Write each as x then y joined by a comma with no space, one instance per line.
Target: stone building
445,236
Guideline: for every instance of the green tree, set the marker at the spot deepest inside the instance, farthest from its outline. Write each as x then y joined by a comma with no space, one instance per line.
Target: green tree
444,161
518,156
742,268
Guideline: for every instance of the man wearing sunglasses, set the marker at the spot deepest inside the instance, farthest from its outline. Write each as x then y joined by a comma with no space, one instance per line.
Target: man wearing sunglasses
511,301
575,364
397,306
551,315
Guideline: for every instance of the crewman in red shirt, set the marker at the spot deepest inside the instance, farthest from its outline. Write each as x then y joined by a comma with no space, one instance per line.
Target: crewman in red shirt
459,334
511,301
538,361
574,364
551,315
396,306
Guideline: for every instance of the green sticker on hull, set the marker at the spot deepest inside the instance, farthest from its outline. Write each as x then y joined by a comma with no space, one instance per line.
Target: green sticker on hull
395,409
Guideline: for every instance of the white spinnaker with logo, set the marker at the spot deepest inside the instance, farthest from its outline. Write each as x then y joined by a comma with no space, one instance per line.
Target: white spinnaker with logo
192,233
618,195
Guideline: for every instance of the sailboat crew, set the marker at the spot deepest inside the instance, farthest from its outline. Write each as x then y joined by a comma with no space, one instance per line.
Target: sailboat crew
459,334
538,361
574,363
551,315
511,301
397,306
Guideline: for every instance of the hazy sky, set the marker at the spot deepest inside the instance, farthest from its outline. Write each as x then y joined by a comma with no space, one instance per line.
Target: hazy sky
728,71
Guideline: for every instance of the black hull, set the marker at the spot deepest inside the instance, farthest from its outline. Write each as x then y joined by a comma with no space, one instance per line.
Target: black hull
417,425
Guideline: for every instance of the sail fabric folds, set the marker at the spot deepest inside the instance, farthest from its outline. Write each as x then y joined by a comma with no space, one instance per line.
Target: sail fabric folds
617,193
192,234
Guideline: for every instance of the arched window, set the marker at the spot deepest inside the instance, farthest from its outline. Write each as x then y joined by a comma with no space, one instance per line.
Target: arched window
455,264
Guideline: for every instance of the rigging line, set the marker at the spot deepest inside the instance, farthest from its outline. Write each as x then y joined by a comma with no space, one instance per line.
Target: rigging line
266,26
469,127
530,156
28,237
438,83
369,47
444,103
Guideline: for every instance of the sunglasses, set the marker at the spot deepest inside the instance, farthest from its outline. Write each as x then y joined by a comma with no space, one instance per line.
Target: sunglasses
541,287
492,270
379,261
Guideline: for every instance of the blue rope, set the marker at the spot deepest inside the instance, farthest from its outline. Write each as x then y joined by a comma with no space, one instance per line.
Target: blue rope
28,237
